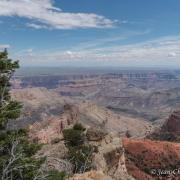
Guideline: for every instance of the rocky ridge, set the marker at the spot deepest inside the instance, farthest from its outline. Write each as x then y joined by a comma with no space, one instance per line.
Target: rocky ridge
108,159
47,114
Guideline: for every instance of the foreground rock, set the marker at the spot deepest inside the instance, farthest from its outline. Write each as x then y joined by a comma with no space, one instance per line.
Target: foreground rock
109,157
55,158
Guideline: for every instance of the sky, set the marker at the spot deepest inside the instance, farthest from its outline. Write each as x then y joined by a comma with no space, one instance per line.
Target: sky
92,33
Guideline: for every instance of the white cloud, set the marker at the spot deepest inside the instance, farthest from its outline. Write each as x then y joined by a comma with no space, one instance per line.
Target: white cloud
172,54
46,15
4,46
36,26
156,52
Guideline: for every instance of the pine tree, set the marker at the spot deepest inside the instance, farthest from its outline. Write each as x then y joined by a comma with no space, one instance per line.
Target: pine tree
16,152
9,109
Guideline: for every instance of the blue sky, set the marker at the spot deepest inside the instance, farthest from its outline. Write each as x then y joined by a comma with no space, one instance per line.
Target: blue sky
133,33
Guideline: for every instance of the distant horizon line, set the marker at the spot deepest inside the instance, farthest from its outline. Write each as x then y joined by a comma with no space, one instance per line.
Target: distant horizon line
105,67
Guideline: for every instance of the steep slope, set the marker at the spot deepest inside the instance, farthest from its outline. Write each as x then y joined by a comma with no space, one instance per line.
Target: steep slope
146,159
94,115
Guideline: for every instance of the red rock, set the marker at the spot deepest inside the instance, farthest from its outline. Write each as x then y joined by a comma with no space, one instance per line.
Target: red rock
142,156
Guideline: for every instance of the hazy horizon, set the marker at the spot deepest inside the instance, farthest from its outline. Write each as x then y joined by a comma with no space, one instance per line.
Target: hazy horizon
33,71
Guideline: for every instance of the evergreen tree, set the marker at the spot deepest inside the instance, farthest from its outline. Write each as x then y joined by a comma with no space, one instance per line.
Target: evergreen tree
16,152
9,109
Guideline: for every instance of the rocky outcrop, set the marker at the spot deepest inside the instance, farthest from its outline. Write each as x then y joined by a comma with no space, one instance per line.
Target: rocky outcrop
170,131
109,157
52,127
108,160
172,125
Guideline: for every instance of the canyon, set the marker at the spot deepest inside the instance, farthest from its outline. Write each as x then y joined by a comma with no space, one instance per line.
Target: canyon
151,95
132,117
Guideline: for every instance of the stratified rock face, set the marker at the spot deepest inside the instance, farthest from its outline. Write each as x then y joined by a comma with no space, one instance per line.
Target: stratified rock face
170,131
173,124
52,127
144,156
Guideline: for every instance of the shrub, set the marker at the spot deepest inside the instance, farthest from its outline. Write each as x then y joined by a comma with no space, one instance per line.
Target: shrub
79,126
79,153
72,137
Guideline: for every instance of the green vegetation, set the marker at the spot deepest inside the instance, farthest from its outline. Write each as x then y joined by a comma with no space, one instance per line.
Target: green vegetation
74,137
79,151
8,109
79,126
16,152
16,156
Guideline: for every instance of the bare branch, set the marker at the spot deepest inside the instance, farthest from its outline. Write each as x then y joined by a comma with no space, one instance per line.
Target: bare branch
14,156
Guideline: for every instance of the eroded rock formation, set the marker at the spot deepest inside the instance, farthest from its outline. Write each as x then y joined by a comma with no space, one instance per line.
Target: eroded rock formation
170,130
52,127
110,158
